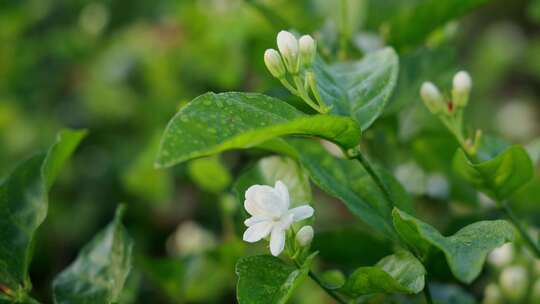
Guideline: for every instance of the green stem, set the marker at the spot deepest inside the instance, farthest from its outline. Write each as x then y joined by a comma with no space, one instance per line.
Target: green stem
519,226
357,154
304,95
427,293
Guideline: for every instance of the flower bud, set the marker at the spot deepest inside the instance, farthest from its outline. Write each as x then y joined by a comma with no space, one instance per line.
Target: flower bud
288,47
304,236
308,49
274,64
514,282
461,87
432,97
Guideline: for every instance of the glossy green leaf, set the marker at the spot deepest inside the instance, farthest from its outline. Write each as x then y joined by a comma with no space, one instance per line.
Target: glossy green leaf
397,273
350,182
213,123
270,169
23,207
500,176
409,22
360,89
265,279
100,271
465,251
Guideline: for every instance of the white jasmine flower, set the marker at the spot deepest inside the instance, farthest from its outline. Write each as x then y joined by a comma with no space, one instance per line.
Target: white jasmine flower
432,97
461,87
273,63
304,236
270,215
288,47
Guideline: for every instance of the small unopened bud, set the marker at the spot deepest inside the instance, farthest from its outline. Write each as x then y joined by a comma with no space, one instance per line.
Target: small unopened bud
304,236
514,282
308,49
274,64
288,47
461,87
432,97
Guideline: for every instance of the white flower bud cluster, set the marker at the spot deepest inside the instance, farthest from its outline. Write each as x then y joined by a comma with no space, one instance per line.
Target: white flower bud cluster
434,100
292,65
450,110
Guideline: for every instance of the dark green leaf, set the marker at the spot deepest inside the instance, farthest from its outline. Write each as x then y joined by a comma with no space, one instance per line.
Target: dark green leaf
100,271
266,279
409,22
213,123
359,89
349,181
397,273
465,251
23,207
500,176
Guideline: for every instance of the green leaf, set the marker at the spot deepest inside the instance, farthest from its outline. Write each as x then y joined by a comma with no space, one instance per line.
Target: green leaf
397,273
465,251
270,169
359,89
265,279
213,123
100,271
349,181
409,22
23,207
499,176
202,168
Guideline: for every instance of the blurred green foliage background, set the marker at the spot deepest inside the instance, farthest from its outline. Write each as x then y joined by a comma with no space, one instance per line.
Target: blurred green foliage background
122,69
